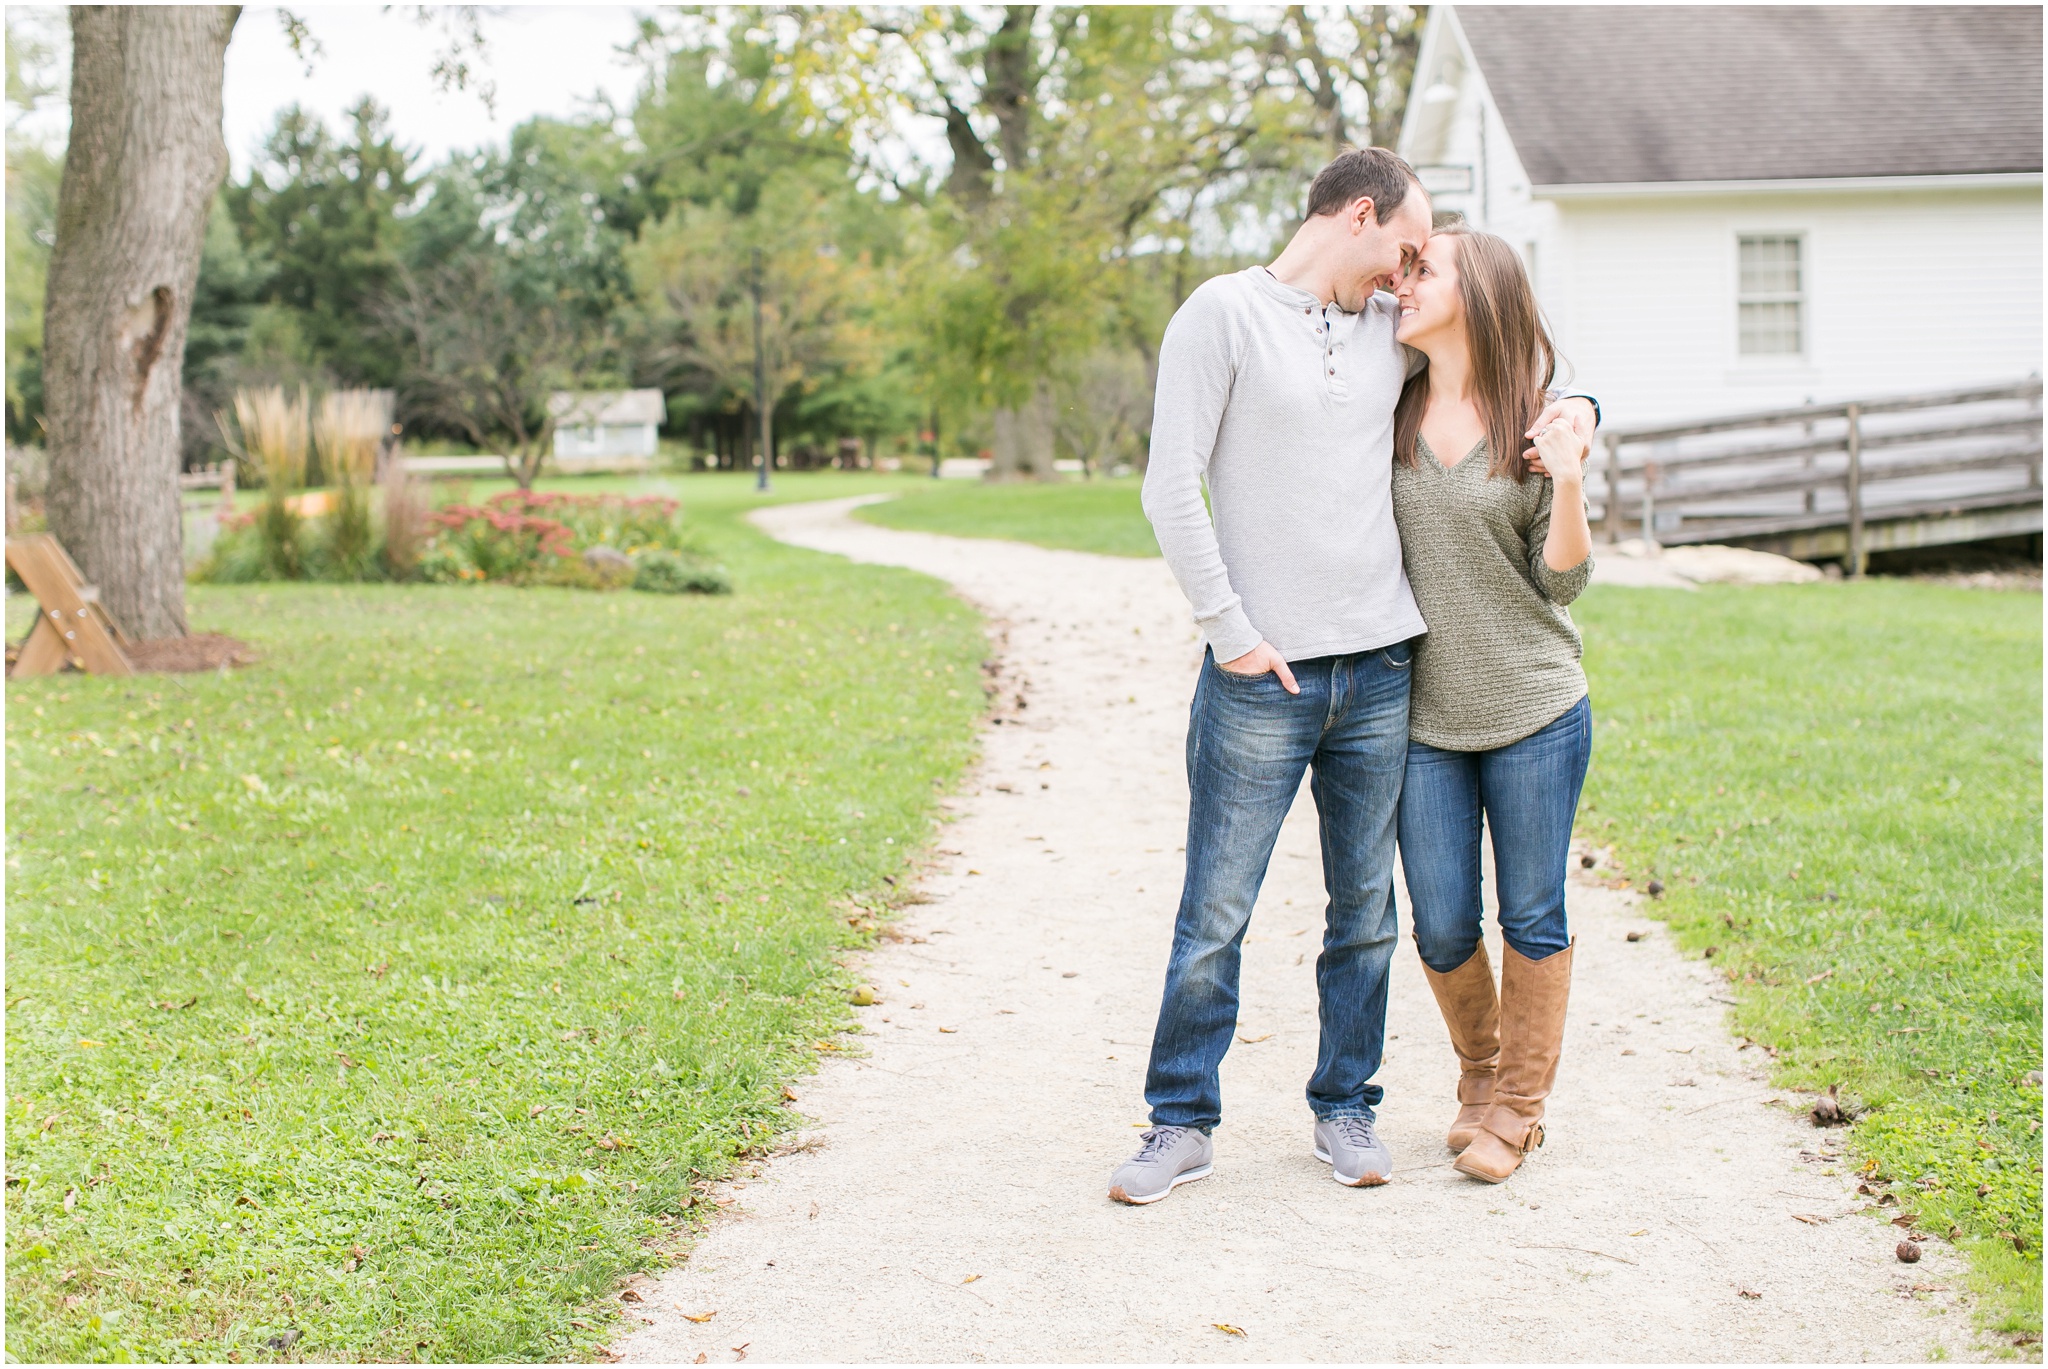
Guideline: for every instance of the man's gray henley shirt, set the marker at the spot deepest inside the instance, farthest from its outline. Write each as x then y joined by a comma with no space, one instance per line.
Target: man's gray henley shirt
1285,408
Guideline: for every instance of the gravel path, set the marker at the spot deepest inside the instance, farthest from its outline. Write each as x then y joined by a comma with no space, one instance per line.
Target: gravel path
948,1200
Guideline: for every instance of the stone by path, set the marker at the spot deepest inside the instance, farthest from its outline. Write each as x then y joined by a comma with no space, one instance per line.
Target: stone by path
948,1201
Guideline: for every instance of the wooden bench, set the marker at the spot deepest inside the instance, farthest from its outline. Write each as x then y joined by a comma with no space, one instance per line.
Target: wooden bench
72,628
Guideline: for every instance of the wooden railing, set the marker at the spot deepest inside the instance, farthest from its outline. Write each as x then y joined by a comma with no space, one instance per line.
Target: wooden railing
1815,479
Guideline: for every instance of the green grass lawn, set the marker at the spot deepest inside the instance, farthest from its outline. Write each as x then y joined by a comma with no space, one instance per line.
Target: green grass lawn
404,989
1841,787
1092,515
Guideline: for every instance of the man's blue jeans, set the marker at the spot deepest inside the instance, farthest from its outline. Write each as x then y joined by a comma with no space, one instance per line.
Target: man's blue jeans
1528,792
1249,742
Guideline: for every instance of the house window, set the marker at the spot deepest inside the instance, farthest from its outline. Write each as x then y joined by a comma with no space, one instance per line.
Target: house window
1770,295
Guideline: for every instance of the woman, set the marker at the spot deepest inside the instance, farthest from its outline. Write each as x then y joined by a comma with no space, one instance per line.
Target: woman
1500,725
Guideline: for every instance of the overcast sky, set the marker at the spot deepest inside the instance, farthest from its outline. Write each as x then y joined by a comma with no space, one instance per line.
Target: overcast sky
542,59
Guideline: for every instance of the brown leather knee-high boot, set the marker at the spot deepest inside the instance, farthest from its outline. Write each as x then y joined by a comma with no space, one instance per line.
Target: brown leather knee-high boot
1533,994
1471,1010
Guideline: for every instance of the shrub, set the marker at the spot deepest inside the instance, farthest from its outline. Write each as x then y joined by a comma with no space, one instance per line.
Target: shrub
668,572
273,428
631,524
488,543
348,428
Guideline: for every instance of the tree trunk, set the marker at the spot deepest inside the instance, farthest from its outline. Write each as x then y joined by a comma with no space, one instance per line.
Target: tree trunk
145,159
1023,440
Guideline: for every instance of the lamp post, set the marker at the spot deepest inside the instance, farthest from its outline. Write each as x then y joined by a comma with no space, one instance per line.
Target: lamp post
761,381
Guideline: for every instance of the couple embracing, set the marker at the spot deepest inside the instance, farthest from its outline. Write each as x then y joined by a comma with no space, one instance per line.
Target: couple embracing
1399,522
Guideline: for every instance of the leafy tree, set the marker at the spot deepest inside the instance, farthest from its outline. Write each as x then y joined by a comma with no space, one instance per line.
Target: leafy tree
698,271
227,304
33,173
486,342
319,217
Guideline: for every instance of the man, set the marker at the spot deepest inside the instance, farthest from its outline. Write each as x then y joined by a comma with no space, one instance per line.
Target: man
1277,387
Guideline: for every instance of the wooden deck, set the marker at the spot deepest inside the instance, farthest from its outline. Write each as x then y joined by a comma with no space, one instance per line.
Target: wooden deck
1833,481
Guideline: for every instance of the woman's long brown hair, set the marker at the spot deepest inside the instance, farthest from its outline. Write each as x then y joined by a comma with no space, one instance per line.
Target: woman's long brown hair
1513,358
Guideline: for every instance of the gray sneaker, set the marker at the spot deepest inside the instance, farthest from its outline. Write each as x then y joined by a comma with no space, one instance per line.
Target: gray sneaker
1170,1157
1357,1157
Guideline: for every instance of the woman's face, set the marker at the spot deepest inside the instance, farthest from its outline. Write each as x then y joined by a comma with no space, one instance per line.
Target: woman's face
1430,306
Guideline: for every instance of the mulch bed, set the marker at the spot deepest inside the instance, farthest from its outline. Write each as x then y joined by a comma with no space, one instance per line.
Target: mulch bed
200,651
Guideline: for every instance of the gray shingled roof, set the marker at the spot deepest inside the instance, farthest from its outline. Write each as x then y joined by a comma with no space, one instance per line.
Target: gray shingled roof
604,407
1596,95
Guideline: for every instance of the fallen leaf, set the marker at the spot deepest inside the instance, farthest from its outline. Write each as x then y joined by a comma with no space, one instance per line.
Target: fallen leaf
1827,1110
1644,1232
1751,1294
788,1094
700,1317
1254,1040
701,1357
949,1030
1824,974
537,1109
630,1295
1227,1329
970,1278
1808,1218
70,1199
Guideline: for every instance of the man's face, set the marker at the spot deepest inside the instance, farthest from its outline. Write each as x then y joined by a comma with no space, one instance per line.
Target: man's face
1381,253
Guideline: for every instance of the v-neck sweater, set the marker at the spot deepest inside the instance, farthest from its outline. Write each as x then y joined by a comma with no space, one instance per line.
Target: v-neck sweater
1284,407
1501,660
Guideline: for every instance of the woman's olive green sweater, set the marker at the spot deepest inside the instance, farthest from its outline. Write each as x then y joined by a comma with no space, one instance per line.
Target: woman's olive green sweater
1501,658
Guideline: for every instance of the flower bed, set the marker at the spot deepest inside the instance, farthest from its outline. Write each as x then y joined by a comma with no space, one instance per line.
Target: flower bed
520,537
591,541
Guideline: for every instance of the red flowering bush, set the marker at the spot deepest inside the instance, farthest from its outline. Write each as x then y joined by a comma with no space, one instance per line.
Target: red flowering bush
493,543
587,541
630,524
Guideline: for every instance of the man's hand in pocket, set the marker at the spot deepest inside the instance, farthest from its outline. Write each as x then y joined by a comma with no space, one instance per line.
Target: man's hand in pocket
1260,660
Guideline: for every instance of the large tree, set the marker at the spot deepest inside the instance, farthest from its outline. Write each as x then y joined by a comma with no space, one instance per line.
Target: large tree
145,159
320,219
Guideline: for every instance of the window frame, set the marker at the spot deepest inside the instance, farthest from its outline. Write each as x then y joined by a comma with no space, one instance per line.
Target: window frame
1802,298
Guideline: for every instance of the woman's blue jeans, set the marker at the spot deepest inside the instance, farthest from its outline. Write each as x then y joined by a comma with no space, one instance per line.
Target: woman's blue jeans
1249,743
1528,792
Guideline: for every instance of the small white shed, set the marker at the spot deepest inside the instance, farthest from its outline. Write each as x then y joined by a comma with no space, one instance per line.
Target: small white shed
1738,208
607,428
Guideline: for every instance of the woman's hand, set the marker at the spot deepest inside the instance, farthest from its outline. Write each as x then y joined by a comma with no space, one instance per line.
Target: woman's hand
1574,411
1560,454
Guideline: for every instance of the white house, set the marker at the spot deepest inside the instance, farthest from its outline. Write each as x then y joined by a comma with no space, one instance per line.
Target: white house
1751,207
605,428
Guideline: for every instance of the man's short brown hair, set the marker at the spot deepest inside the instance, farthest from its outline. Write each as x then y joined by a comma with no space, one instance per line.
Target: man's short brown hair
1370,172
